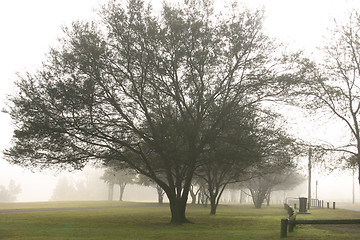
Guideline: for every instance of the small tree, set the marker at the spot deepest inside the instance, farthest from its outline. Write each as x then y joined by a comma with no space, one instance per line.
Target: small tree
10,193
160,193
122,178
252,145
81,186
203,195
143,180
290,181
64,190
261,187
227,160
194,192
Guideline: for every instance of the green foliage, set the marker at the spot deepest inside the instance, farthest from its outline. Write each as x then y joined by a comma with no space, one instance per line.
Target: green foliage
124,176
150,91
249,146
98,95
261,187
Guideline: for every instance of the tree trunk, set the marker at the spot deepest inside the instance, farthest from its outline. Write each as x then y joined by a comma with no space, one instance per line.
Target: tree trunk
177,192
122,188
160,192
258,198
193,195
215,198
178,208
241,196
268,196
202,198
178,200
193,199
359,171
258,203
213,205
358,165
111,192
160,198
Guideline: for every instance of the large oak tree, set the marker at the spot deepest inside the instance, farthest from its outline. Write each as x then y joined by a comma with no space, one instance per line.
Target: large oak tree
149,90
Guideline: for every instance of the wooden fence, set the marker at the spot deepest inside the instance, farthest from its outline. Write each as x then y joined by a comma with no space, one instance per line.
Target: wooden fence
289,223
295,202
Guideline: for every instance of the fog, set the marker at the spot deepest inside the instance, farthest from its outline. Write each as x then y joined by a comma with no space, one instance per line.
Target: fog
336,186
36,186
30,27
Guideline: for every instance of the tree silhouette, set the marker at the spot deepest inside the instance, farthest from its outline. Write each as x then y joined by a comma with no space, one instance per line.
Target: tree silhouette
141,89
120,177
10,193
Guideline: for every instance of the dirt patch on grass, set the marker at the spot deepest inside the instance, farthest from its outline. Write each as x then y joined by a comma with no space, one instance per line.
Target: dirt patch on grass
341,228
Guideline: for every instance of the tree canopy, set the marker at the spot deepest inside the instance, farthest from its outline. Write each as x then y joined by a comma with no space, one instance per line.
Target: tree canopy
121,177
332,85
249,146
149,90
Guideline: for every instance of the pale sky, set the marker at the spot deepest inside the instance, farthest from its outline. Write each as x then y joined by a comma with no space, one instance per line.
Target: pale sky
29,27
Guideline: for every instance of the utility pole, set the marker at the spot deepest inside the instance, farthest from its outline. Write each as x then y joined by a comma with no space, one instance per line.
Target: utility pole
353,186
309,179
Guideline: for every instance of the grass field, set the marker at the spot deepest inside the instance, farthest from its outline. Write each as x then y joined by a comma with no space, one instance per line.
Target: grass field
151,221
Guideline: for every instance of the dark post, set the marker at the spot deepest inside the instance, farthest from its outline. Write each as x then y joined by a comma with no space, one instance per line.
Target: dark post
302,205
333,205
309,179
291,225
283,230
328,206
294,205
322,203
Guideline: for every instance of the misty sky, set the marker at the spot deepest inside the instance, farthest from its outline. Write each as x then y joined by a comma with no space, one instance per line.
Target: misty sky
29,28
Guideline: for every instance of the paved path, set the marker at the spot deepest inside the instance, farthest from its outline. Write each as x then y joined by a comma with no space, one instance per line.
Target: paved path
27,210
349,207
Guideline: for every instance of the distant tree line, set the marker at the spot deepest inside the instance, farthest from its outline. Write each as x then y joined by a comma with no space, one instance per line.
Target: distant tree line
9,193
86,186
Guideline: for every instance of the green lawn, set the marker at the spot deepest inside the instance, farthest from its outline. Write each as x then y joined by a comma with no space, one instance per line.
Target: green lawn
149,221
